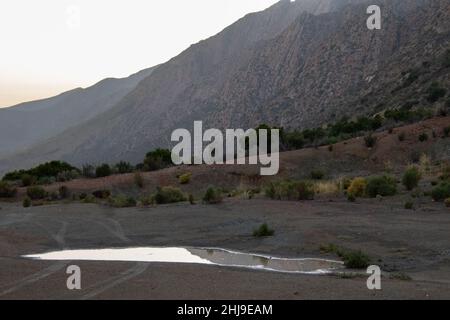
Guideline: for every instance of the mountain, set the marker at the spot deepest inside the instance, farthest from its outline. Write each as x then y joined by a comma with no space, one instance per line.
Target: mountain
297,65
28,123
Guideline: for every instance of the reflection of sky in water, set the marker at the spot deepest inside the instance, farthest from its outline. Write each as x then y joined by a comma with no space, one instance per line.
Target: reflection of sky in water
195,256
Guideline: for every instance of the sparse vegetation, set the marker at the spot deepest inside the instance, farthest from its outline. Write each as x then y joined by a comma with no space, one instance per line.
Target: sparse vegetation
411,178
157,159
139,180
263,231
103,171
26,202
441,192
166,195
317,174
423,137
435,92
212,196
370,141
409,206
357,187
101,194
381,186
6,190
122,201
36,193
290,190
352,259
185,178
64,192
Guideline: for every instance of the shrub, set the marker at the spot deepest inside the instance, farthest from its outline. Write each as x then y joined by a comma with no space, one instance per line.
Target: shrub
290,190
447,202
168,195
351,198
358,187
64,192
435,92
423,137
383,186
317,175
139,180
124,167
441,192
185,178
36,193
67,175
88,199
409,206
411,178
401,136
26,202
48,169
447,132
263,231
157,159
46,180
103,171
356,260
88,171
191,199
122,201
212,196
101,194
6,190
370,141
28,180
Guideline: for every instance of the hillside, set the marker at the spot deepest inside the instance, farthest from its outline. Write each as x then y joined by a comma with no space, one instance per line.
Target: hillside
296,65
26,124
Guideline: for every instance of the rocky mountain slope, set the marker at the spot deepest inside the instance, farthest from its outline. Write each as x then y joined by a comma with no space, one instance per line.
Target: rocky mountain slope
26,124
297,65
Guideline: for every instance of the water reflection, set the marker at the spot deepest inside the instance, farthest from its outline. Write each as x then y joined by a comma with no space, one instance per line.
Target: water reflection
220,257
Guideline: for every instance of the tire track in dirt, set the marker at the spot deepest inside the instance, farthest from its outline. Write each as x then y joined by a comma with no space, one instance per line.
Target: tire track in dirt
40,275
112,282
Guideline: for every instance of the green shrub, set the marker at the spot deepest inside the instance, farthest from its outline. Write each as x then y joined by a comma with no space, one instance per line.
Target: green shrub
423,137
88,171
351,197
139,180
6,190
383,186
103,171
26,202
123,167
356,260
45,181
122,201
212,196
88,198
36,193
357,187
411,178
48,169
64,192
263,231
370,141
101,194
191,199
185,178
157,159
435,92
409,206
441,192
447,202
290,190
447,132
28,180
68,175
166,195
317,174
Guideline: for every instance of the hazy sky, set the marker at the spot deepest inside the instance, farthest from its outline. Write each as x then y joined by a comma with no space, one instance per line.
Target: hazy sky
49,46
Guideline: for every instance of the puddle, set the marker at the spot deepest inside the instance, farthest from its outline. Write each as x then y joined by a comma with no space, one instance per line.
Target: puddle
219,257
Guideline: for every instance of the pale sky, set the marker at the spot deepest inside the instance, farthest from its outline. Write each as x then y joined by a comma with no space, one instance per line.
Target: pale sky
50,46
